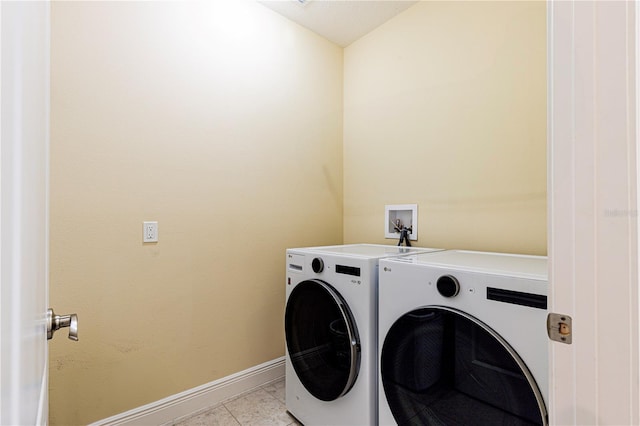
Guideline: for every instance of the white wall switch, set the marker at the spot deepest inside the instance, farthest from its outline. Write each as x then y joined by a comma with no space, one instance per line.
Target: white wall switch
149,232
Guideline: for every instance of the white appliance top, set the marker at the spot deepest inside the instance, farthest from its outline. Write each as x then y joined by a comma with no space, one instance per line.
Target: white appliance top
368,251
516,265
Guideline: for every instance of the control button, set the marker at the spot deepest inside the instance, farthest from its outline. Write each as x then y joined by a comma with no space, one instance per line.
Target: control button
317,265
448,286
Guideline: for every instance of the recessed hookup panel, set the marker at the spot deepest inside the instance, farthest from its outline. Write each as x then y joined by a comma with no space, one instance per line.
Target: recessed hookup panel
398,216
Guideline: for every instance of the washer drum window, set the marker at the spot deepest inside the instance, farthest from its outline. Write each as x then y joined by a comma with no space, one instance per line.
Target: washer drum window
440,366
322,340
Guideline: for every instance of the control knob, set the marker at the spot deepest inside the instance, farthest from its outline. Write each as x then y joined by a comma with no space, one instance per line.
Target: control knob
448,286
317,265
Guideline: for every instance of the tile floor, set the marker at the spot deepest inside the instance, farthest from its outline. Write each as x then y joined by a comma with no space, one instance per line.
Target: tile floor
263,406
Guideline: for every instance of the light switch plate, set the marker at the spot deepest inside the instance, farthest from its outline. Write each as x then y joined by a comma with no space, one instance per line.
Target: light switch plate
149,232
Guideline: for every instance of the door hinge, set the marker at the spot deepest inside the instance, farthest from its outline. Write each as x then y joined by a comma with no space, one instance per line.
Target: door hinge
559,328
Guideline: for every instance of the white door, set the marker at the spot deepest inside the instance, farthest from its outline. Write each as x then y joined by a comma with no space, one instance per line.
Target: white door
24,142
593,211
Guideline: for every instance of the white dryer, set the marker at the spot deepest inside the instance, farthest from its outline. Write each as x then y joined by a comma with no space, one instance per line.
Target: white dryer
331,332
463,339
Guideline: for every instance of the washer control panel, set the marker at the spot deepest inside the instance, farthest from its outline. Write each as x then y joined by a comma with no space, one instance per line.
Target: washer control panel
295,263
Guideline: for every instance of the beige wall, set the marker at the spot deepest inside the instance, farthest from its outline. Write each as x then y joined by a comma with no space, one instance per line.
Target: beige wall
445,106
223,122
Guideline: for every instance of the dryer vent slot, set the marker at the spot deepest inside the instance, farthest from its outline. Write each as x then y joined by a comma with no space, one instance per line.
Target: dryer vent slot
348,270
517,298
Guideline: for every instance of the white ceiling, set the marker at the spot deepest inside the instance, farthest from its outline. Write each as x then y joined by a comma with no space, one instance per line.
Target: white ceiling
340,21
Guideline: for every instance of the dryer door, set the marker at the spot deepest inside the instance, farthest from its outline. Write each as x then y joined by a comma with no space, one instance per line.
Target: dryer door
322,340
442,366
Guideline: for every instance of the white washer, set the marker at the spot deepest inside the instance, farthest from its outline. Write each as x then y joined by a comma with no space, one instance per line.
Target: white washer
331,329
463,339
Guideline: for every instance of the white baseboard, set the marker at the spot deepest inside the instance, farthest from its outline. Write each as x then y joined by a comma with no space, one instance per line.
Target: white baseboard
198,398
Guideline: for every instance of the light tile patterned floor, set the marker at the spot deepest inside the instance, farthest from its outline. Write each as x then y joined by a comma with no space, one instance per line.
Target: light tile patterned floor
263,406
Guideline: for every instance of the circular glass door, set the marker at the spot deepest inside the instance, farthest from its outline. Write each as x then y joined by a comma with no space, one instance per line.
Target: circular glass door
322,340
440,366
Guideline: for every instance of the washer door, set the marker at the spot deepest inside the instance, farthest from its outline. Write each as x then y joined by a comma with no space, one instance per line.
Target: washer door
322,340
442,366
